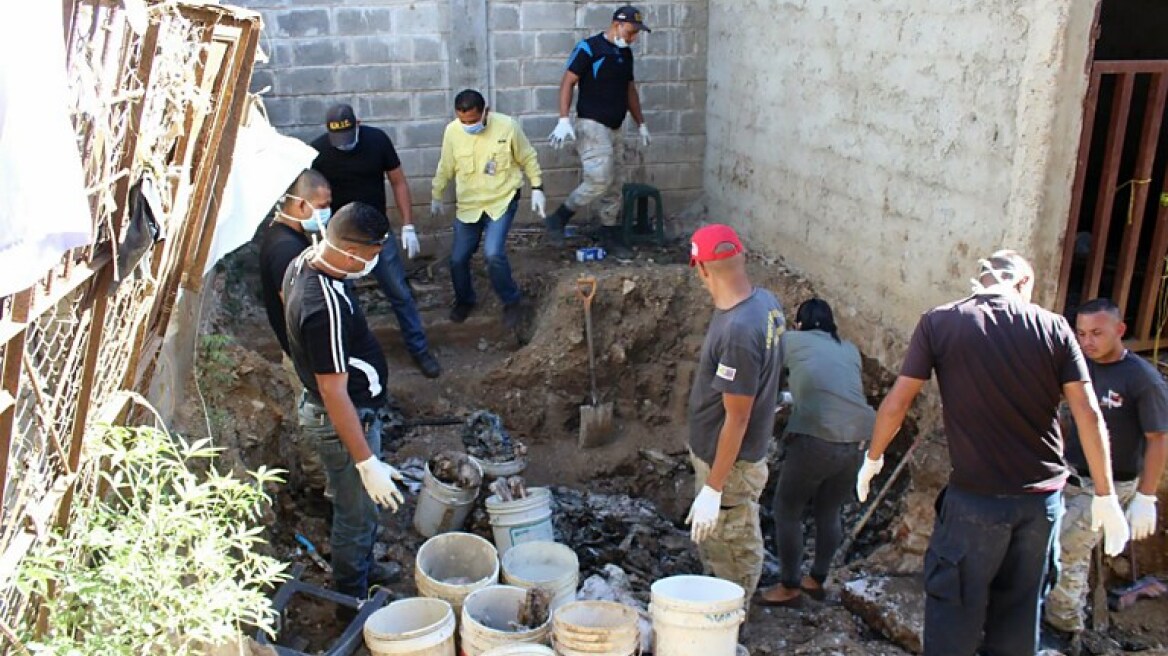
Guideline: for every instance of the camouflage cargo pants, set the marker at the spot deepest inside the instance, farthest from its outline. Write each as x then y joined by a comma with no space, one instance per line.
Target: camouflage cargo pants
601,151
305,451
735,551
1065,603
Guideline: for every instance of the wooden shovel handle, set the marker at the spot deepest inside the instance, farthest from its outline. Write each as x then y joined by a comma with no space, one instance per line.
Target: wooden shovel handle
586,289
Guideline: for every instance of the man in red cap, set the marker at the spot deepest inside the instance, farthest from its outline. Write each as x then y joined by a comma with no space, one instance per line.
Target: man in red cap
731,409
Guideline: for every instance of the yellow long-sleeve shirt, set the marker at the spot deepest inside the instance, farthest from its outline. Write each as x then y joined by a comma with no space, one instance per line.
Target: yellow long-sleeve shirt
480,185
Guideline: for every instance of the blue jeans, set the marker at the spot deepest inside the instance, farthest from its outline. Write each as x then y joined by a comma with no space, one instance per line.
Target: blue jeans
466,241
355,516
390,274
986,572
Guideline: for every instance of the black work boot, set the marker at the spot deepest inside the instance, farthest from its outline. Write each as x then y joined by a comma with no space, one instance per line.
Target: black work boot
427,363
614,244
555,223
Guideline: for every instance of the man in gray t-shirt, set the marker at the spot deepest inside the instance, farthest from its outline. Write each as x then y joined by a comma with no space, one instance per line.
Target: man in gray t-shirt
731,409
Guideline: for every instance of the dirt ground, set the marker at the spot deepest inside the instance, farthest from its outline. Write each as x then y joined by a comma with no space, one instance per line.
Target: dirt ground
649,319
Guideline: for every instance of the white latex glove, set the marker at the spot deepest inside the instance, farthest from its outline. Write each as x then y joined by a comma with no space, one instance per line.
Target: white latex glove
378,479
868,471
703,514
643,130
1106,513
1141,514
435,207
539,203
410,241
563,131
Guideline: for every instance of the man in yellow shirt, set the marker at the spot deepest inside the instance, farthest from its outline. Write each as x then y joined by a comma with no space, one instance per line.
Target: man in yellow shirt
487,154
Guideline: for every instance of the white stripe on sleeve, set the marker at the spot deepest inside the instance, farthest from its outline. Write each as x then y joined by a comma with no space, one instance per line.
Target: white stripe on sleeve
336,327
370,375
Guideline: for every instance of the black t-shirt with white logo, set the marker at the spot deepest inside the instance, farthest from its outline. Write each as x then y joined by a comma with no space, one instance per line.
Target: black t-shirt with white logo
358,174
605,72
1001,364
1134,399
328,334
279,245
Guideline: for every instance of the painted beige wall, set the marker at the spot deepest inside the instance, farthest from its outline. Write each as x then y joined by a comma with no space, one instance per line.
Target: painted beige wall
881,148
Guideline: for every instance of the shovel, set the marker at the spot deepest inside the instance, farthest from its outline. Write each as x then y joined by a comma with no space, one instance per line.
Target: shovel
595,419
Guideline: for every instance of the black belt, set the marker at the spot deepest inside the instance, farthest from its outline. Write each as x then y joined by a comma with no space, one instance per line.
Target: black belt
1075,480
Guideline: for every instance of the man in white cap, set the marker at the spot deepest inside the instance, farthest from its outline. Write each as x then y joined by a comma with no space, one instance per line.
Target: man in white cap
1002,364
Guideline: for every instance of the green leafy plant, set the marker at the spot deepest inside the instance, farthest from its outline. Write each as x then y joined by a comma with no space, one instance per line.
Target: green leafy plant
216,366
165,561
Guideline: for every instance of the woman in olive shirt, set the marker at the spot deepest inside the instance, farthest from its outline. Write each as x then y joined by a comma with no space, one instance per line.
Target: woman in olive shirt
830,420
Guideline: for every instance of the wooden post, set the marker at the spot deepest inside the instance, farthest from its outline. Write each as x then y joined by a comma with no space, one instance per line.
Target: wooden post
10,381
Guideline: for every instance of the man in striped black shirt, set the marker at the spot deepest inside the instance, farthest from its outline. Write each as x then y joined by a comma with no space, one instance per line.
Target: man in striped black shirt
344,372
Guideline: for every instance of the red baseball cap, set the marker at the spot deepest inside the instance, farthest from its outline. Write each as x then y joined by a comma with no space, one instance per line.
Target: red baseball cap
704,244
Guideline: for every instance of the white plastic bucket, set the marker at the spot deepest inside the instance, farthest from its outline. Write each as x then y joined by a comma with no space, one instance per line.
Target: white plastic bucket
548,565
488,620
411,627
520,650
596,628
442,507
696,615
450,566
522,520
498,468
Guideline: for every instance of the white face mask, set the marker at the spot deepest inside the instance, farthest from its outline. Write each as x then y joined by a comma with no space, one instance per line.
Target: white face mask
353,275
620,42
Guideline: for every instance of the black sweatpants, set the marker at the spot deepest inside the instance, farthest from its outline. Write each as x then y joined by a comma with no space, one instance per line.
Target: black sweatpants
823,474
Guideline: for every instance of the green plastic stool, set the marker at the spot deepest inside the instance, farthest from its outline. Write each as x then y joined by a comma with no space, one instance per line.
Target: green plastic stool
637,226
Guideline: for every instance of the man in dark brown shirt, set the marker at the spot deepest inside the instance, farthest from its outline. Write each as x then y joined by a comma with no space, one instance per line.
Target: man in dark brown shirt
1002,364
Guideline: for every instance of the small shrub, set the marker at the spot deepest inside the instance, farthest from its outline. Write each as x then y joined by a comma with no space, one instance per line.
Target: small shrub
163,563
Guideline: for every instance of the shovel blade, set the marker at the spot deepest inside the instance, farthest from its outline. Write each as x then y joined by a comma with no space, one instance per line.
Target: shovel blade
595,425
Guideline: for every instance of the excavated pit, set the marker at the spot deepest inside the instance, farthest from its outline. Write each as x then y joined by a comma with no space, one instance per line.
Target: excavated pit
622,504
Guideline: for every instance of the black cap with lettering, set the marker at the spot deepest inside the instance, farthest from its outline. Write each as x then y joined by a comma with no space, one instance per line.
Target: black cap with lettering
630,14
342,125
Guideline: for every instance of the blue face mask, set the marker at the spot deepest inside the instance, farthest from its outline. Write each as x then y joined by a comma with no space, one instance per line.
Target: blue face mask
321,217
474,128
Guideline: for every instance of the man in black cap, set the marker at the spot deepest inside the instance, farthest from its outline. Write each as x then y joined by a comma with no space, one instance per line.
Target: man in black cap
602,66
343,370
356,159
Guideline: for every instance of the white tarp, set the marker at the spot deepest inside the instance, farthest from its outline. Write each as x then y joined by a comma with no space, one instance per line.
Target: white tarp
266,163
43,208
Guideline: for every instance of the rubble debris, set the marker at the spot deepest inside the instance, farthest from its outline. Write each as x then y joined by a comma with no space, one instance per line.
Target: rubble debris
1148,587
486,439
455,469
893,605
413,471
509,489
535,610
612,584
630,533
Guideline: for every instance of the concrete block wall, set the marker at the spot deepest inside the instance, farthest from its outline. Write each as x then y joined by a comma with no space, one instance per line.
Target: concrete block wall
399,63
882,149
